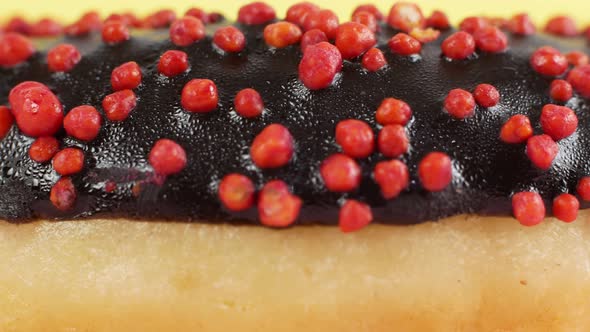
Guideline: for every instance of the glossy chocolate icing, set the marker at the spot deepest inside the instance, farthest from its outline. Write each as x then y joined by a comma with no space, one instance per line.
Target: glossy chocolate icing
486,171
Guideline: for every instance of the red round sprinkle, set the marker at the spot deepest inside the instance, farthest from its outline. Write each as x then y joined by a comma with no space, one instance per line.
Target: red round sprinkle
18,25
43,149
299,11
355,137
236,192
371,9
374,60
110,186
393,111
198,13
118,105
273,147
229,39
393,141
63,58
282,34
277,207
114,32
491,39
558,121
577,58
83,123
160,19
528,208
435,171
167,157
392,177
248,103
186,31
63,194
36,109
579,78
256,13
460,103
549,61
499,22
438,20
128,19
562,26
473,24
14,49
88,22
583,188
542,150
425,35
68,161
561,90
340,173
458,46
319,65
312,37
354,216
565,207
367,19
404,44
214,17
486,95
354,39
173,63
405,16
126,76
522,24
6,121
199,96
517,129
46,27
325,20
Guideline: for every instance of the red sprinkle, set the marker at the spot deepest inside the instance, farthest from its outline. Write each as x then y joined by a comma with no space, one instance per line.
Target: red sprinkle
14,49
160,19
566,207
426,35
63,58
561,91
458,46
393,111
236,192
435,171
63,194
473,24
299,11
256,13
517,129
542,150
340,173
562,26
110,186
229,39
583,188
404,44
36,109
577,58
319,65
579,78
18,25
549,61
173,63
371,9
460,103
367,19
43,149
68,161
46,27
491,39
118,105
87,23
392,177
186,31
312,37
325,20
83,123
198,13
374,60
167,157
6,121
126,76
114,32
354,39
248,103
438,20
558,122
273,147
393,141
277,207
528,208
405,16
355,137
199,96
354,216
282,34
522,24
486,95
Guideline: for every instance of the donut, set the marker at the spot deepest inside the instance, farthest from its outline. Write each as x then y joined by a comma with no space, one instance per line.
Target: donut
391,172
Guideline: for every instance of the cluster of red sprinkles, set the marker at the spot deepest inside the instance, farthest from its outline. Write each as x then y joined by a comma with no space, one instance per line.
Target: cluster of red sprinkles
325,44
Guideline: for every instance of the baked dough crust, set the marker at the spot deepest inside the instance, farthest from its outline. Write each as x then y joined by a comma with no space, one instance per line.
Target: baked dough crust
460,274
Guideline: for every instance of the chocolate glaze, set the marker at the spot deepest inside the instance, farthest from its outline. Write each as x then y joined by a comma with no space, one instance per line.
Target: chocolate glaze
486,171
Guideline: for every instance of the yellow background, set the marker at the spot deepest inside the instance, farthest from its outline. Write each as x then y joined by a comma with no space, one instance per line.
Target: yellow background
456,9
